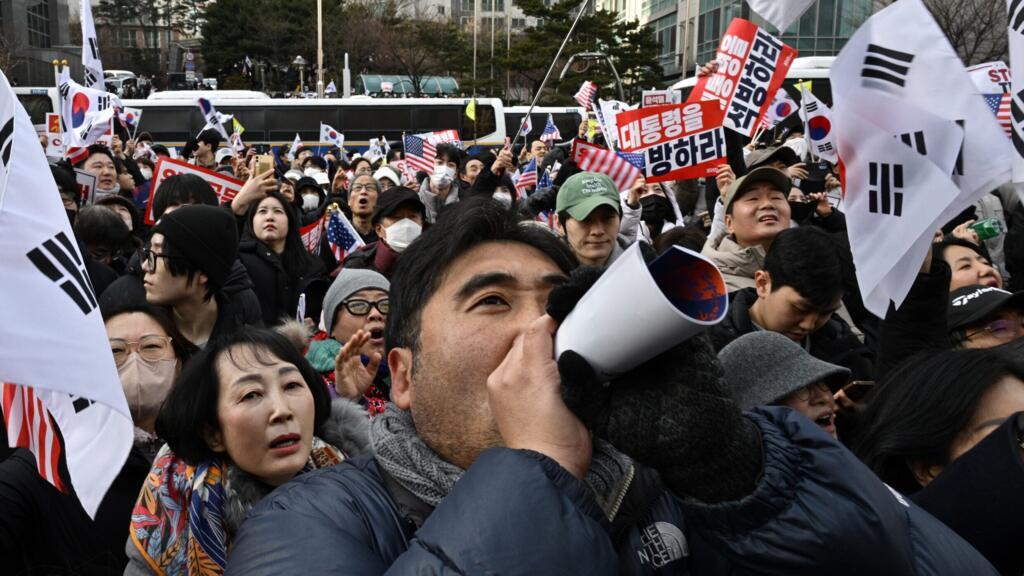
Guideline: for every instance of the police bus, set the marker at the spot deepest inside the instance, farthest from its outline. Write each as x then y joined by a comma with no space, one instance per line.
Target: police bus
173,117
567,120
813,68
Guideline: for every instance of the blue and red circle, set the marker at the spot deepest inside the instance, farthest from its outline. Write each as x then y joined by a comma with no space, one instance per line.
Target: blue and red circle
819,127
79,108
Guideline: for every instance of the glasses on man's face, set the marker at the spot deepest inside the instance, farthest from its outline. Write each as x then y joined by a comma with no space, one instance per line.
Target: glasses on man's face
362,188
151,348
360,307
1004,329
148,258
804,394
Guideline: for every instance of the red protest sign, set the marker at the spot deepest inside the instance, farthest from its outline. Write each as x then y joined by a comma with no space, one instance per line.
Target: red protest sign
696,153
645,127
225,187
751,66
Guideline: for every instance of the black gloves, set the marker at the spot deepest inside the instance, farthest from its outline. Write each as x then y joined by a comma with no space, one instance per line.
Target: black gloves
673,413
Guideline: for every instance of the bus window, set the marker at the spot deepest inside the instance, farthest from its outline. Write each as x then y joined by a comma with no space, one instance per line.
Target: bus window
568,124
37,106
484,124
361,123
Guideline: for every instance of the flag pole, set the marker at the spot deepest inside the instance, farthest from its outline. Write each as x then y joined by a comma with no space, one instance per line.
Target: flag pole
60,105
583,7
807,125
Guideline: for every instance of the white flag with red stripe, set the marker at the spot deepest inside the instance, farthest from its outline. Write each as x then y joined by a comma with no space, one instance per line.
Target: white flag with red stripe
585,95
55,360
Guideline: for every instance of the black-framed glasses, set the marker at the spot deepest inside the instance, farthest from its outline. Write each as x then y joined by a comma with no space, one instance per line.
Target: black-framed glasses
360,307
1003,329
148,258
151,348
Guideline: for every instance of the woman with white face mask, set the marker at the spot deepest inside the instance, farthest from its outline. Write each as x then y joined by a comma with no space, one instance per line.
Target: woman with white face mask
442,188
398,220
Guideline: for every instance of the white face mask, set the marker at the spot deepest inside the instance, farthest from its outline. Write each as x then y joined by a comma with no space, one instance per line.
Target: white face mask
146,384
311,171
443,176
100,193
400,234
504,197
147,174
310,202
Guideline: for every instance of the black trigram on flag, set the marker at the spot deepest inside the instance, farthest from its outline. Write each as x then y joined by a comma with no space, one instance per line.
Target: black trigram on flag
58,260
811,107
1017,16
884,68
885,185
826,147
916,142
6,142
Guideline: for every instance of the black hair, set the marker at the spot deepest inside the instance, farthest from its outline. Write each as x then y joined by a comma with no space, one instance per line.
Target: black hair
458,230
692,237
65,180
295,256
126,203
104,233
317,161
939,248
449,153
160,150
96,149
393,153
190,409
355,163
917,412
144,136
179,264
182,189
210,136
183,349
807,260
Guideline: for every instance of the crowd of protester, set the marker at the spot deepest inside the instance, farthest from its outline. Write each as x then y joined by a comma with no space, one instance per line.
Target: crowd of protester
800,435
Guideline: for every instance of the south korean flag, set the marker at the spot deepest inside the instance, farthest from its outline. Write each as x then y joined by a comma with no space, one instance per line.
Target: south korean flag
895,197
901,52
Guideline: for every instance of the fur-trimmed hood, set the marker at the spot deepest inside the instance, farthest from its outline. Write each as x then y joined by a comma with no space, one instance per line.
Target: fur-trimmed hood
347,428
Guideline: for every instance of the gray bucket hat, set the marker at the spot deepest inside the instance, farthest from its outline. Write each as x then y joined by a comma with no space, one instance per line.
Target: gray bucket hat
763,367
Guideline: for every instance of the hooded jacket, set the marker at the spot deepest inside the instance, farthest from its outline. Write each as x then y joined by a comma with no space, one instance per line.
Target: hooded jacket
737,264
816,510
277,290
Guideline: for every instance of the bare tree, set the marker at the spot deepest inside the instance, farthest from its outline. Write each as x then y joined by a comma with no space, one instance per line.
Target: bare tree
975,28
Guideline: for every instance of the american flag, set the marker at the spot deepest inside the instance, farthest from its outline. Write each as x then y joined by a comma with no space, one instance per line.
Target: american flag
527,178
551,132
311,235
30,426
419,153
586,94
622,167
546,216
341,236
999,104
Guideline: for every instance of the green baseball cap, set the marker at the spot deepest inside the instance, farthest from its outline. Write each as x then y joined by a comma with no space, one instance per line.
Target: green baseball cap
581,193
767,174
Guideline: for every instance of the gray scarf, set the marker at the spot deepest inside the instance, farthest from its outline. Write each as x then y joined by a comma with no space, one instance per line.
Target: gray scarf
407,458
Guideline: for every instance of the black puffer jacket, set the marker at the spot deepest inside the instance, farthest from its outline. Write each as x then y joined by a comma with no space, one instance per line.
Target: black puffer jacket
834,342
278,290
816,510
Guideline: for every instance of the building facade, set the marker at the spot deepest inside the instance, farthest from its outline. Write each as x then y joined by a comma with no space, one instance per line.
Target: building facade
689,30
34,33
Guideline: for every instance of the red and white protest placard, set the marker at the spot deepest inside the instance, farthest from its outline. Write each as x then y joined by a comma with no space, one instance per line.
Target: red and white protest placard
992,77
693,153
225,187
86,184
645,127
442,136
751,66
659,98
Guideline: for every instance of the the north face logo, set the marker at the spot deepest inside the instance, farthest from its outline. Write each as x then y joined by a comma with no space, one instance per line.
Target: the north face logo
661,543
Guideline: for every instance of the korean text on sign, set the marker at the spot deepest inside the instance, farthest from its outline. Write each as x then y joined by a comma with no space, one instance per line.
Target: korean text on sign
696,153
751,66
645,127
225,187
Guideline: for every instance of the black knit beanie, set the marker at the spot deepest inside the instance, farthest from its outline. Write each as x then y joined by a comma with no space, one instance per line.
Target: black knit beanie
206,235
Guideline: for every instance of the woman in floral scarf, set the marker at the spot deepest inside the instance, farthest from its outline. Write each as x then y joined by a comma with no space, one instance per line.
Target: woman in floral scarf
247,415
